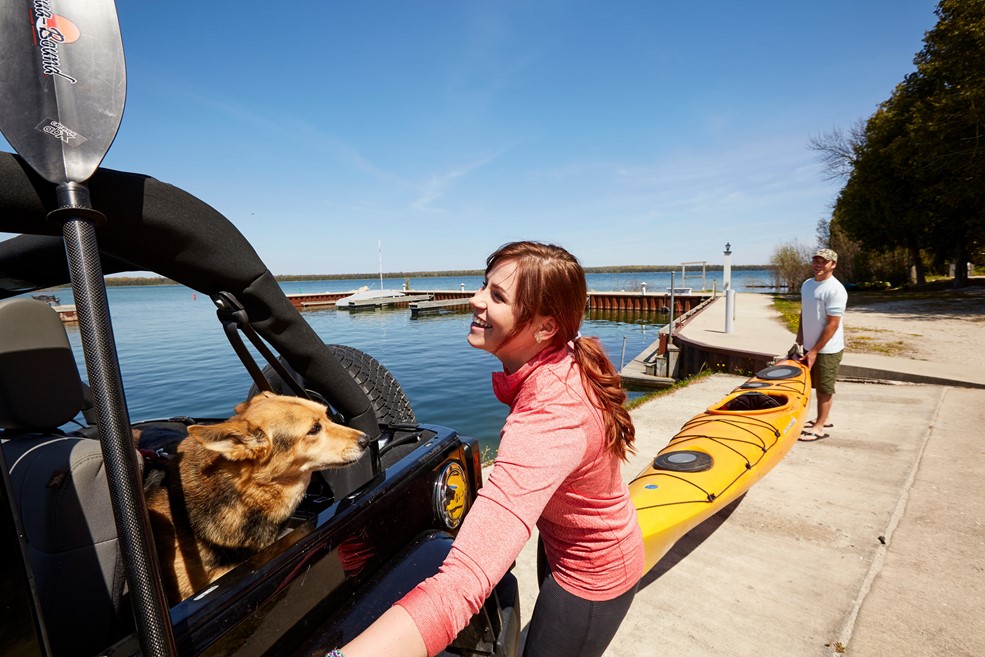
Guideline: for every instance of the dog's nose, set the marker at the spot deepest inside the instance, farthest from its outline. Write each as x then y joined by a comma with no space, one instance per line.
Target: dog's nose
362,441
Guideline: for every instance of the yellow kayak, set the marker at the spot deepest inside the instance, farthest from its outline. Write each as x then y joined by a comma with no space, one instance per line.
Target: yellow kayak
719,454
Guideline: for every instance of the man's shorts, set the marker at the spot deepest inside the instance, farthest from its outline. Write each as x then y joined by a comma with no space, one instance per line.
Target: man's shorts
825,372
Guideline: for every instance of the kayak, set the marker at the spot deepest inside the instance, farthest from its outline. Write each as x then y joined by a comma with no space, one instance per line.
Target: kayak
719,454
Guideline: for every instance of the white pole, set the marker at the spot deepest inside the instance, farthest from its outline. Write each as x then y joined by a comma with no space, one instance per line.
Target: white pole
379,251
729,305
670,331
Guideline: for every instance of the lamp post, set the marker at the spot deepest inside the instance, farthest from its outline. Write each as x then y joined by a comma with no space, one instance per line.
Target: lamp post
727,272
727,288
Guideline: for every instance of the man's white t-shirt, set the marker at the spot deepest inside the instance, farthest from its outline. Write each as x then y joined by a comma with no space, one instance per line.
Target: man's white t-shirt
818,301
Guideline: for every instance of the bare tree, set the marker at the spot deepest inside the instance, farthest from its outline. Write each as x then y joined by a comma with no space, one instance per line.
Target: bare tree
838,150
791,264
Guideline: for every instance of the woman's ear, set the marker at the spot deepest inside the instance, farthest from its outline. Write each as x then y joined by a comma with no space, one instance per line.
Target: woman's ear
546,330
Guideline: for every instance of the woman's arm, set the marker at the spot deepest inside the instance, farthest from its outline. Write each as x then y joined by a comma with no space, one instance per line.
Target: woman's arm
393,634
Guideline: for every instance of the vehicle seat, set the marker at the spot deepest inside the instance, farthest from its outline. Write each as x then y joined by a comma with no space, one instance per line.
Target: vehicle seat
58,482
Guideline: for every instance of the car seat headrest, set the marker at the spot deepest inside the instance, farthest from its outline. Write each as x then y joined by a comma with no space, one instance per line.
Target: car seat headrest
40,387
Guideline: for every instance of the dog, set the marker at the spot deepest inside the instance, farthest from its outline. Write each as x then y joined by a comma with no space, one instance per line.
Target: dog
231,487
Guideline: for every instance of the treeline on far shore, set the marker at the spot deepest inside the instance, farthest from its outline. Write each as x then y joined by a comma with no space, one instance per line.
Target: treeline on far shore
615,269
620,269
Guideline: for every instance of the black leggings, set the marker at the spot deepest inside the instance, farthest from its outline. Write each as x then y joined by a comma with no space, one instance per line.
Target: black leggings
564,625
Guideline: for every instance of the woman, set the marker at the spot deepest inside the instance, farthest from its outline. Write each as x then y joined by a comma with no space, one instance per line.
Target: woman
558,468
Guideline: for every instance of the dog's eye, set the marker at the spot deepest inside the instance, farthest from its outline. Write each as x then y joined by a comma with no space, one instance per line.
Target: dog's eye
315,429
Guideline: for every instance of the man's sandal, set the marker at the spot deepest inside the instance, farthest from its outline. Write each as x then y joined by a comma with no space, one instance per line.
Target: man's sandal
812,436
810,424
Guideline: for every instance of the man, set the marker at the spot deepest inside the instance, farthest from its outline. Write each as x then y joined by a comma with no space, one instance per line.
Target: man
820,331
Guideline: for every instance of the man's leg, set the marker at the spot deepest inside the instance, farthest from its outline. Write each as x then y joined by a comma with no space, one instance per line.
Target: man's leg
823,376
823,410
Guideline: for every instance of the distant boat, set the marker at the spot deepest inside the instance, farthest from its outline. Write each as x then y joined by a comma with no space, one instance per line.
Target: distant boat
49,299
366,294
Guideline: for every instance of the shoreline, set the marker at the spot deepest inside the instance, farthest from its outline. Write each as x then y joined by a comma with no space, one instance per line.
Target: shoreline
114,280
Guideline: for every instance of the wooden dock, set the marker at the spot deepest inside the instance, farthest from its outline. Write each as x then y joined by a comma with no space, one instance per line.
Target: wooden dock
645,302
436,306
366,304
67,313
316,299
657,365
643,372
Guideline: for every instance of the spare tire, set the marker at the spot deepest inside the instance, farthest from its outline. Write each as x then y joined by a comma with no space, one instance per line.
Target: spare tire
388,398
389,401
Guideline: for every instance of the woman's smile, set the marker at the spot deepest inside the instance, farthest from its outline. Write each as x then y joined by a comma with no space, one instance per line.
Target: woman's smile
493,326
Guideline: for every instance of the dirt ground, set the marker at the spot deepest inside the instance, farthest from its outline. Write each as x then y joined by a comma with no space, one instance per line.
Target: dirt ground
941,327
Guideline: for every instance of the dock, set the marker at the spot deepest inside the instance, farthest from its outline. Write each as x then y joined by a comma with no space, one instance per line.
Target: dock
656,366
434,306
67,313
366,304
303,300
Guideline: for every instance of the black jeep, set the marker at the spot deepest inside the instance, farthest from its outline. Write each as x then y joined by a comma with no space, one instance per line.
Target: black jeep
79,576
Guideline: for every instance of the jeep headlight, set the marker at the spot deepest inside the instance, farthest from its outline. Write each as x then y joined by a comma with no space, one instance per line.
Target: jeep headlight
451,494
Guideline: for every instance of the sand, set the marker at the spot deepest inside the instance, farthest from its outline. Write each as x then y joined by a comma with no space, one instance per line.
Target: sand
943,329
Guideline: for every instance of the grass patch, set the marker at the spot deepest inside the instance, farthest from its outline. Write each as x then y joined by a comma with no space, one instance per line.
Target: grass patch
866,344
639,401
789,309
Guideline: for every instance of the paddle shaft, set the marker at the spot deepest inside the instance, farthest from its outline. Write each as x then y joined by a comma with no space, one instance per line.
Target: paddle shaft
102,364
62,91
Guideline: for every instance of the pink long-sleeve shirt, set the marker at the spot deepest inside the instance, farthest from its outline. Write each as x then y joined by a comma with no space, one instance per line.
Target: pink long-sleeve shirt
552,471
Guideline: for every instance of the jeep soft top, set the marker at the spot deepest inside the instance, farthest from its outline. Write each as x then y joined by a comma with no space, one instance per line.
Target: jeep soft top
80,576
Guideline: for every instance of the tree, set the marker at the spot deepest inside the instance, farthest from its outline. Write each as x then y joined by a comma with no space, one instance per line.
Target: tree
791,264
915,171
852,258
949,124
883,204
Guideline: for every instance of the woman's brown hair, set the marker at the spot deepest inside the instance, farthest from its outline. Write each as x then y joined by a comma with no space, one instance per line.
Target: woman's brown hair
551,283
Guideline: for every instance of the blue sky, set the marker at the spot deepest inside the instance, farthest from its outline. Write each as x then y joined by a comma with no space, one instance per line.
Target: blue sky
631,132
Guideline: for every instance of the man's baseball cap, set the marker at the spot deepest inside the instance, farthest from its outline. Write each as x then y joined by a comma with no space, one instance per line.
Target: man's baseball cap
827,254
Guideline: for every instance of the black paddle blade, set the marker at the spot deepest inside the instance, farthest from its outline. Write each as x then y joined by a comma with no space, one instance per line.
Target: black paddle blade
62,83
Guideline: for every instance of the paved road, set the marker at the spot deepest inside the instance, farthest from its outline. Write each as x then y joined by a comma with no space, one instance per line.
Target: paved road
868,544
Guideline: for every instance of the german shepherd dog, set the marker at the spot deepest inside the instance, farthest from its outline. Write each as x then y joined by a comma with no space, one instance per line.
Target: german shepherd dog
231,487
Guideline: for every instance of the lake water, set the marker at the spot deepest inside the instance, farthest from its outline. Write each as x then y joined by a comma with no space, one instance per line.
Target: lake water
175,359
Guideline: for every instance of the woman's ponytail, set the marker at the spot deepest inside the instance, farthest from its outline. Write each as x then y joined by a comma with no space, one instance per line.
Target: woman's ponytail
599,376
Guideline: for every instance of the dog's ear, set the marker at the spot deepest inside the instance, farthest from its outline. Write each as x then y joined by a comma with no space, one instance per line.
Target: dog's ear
242,406
235,439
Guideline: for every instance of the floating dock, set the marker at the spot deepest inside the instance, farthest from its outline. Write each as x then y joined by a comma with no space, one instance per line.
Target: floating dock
67,313
379,302
433,306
